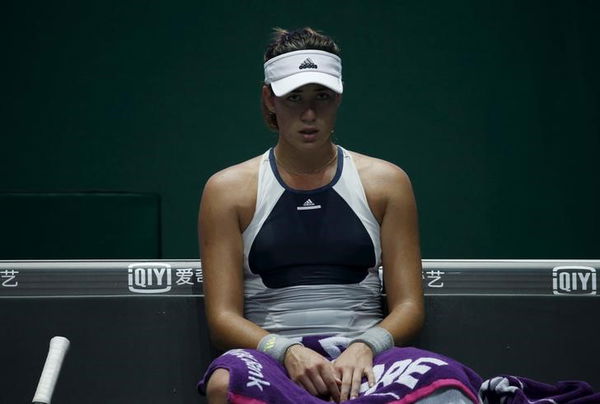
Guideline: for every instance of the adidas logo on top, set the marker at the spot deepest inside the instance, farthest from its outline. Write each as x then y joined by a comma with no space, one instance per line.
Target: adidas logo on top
308,64
308,205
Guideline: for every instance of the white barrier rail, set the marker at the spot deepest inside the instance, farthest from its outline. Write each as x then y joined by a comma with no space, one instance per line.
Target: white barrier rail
94,278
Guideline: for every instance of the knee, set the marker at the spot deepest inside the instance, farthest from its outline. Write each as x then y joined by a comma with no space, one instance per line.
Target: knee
218,386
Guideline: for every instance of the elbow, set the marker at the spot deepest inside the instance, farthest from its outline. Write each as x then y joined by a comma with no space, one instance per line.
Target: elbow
409,319
218,342
220,327
419,316
420,320
216,332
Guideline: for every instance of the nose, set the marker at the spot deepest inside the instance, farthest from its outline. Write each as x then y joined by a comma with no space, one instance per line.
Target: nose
309,114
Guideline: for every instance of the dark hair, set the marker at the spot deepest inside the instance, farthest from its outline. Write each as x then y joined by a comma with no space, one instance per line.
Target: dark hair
300,39
288,41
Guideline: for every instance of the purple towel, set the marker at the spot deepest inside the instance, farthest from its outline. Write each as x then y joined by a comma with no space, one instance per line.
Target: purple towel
403,376
520,390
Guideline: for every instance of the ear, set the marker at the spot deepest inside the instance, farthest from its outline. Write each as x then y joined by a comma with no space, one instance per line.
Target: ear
268,97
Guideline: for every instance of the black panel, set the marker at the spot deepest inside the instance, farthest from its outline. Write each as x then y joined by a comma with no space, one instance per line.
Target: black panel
544,338
153,349
123,350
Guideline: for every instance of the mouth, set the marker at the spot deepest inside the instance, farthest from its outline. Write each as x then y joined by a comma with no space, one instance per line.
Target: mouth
309,131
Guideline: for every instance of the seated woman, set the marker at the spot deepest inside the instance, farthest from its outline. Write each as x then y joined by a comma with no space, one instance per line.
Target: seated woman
292,241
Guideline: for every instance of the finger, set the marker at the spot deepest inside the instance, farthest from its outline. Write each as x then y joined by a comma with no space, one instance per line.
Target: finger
356,381
331,381
338,374
346,384
370,376
307,384
318,382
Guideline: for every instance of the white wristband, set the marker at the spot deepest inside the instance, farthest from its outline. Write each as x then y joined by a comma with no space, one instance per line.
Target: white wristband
377,338
276,346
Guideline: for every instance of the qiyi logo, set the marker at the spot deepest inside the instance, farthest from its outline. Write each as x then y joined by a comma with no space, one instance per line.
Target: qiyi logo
149,277
574,280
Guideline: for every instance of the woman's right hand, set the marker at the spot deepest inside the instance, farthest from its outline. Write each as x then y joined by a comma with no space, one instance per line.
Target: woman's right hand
312,372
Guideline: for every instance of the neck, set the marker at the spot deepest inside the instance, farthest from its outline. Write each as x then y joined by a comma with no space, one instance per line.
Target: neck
311,162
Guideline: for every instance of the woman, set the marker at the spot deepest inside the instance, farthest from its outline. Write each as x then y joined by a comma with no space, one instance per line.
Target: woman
291,244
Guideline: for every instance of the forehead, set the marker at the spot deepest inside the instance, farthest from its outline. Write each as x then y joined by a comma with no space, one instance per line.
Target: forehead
310,88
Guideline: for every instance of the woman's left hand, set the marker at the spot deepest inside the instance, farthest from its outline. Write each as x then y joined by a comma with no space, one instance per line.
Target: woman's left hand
354,363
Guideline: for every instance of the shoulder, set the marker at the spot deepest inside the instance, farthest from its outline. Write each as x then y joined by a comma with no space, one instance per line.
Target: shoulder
378,172
235,175
385,184
237,182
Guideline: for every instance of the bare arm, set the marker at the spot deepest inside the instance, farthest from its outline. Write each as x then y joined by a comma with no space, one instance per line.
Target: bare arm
222,264
401,261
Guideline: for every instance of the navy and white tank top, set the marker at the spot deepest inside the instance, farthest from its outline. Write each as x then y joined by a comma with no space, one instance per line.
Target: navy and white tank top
311,258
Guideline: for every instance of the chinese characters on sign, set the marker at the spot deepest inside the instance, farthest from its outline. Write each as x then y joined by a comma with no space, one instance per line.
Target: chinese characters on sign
9,278
184,276
434,278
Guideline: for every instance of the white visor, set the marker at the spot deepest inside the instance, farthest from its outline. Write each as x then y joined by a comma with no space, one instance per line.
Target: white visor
294,69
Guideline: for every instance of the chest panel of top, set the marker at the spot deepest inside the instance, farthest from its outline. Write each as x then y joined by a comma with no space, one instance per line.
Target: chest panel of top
311,238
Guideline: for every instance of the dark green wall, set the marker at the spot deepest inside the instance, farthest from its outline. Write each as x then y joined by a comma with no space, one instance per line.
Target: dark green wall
491,107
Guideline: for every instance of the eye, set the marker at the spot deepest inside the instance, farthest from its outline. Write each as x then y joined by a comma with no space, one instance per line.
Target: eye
293,97
324,96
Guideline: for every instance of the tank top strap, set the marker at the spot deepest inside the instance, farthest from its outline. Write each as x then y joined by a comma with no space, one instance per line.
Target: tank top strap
268,192
350,187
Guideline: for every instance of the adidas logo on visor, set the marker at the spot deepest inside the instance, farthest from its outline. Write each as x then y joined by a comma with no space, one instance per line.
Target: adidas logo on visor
308,205
308,64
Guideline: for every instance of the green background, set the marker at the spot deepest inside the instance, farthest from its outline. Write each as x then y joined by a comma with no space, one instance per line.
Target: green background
491,107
